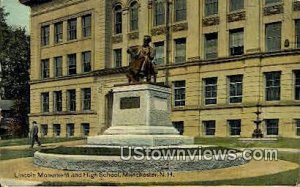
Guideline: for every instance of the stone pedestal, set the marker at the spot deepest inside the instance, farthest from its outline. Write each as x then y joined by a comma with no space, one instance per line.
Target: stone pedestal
141,117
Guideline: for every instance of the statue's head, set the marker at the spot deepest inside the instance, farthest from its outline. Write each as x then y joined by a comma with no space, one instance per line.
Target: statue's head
147,39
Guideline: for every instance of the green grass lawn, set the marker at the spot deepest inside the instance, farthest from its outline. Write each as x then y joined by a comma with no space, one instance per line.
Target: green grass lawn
26,141
234,143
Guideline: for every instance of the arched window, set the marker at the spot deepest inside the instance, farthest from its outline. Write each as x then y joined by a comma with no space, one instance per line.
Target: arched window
180,10
134,16
159,12
118,19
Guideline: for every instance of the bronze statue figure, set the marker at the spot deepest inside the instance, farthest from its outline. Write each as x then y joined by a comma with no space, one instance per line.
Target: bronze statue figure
142,65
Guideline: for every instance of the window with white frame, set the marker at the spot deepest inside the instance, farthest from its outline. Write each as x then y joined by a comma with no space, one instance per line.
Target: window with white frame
134,16
236,42
45,102
72,64
72,29
86,61
159,12
211,7
211,45
86,99
180,10
272,84
57,101
45,69
86,25
117,58
209,127
180,50
273,37
118,19
45,32
272,126
179,125
71,94
58,66
85,129
159,52
235,88
70,129
56,130
234,127
297,84
44,130
179,93
58,32
236,5
210,90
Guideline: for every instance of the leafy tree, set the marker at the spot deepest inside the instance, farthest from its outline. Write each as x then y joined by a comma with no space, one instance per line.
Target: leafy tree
15,63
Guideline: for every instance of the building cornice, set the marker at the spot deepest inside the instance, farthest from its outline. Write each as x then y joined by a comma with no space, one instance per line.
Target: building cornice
33,2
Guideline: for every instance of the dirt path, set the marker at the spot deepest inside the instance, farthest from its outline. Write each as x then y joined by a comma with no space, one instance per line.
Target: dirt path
23,169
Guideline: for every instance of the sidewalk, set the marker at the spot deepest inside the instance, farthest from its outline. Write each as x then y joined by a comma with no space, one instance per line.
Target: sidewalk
68,143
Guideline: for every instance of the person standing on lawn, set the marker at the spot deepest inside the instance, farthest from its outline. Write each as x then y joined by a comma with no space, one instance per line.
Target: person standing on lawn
34,134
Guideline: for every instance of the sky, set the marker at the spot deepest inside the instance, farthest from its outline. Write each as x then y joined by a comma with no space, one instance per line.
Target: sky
18,13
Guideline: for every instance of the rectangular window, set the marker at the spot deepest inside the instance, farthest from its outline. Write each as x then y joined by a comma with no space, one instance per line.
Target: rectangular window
45,32
57,101
180,10
86,25
297,33
56,130
209,127
234,127
211,45
85,129
86,99
297,84
297,127
58,66
179,125
118,58
44,130
45,102
272,1
118,19
179,93
180,50
70,129
86,61
235,88
58,32
72,64
45,69
272,126
236,5
159,12
71,100
273,37
72,29
210,90
272,86
211,7
159,52
236,38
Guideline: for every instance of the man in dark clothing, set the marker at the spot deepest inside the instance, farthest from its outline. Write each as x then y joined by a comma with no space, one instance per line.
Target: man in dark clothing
34,134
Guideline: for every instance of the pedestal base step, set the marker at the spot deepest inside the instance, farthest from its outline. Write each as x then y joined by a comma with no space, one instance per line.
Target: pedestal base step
140,140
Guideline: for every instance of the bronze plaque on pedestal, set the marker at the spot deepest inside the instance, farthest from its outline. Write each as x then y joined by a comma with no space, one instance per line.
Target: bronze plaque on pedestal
129,102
